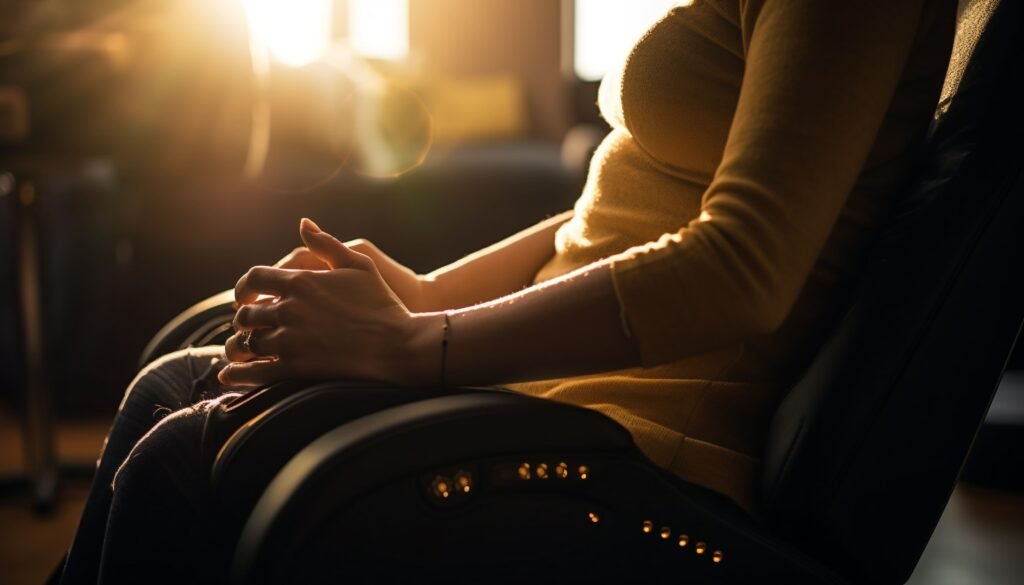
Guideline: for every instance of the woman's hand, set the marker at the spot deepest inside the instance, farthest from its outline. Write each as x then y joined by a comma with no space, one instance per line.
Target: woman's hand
341,322
417,292
301,259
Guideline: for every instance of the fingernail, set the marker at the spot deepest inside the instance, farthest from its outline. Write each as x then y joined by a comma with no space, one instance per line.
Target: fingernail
310,224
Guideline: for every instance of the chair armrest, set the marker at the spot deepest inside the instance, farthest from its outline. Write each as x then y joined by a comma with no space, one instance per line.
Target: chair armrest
364,501
204,323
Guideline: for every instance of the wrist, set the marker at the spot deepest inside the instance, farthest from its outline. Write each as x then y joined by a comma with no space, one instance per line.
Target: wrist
425,352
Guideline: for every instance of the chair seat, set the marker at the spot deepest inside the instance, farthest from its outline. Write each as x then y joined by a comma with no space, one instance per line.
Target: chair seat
598,508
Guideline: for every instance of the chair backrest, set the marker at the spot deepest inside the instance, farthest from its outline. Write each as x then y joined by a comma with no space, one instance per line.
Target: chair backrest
864,452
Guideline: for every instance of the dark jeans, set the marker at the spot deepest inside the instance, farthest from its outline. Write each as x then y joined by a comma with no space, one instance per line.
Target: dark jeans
152,516
147,517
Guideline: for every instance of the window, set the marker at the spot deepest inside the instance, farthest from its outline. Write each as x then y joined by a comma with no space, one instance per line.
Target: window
605,30
298,32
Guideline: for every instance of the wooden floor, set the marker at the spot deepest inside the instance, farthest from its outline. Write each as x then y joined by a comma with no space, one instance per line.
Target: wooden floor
979,541
30,546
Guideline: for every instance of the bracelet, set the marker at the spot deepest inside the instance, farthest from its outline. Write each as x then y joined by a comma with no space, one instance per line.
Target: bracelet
446,329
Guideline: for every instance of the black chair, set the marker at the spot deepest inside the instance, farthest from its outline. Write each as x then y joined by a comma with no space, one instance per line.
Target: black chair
487,485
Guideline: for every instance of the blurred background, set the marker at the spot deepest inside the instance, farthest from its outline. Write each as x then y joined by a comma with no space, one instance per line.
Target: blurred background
151,151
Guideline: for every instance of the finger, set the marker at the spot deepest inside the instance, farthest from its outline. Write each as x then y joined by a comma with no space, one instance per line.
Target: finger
255,373
256,315
233,349
328,248
301,259
262,280
263,343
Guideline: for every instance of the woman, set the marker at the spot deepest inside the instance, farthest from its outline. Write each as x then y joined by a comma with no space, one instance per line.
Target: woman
755,146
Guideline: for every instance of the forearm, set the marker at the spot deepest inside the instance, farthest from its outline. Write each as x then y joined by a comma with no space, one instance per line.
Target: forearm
495,271
568,326
347,322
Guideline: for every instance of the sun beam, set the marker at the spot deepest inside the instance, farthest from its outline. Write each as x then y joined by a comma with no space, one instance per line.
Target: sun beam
295,32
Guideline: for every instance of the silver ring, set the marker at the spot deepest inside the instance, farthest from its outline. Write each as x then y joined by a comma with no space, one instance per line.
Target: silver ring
247,341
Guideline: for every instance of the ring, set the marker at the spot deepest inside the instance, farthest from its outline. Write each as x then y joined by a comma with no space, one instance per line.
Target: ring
247,342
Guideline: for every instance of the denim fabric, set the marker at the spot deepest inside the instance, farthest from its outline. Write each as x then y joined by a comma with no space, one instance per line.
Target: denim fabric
145,520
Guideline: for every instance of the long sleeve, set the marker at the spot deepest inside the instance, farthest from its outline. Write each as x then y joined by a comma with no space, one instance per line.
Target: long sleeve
818,77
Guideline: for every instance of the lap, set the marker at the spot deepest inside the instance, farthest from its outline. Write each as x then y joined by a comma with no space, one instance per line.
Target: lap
182,382
167,473
178,380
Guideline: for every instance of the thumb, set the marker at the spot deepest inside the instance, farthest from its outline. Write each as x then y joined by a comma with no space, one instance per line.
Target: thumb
327,248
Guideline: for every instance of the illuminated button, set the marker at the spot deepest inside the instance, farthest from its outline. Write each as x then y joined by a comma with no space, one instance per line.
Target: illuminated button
594,517
700,548
463,481
683,540
666,532
524,471
716,556
584,471
542,471
648,526
562,470
441,487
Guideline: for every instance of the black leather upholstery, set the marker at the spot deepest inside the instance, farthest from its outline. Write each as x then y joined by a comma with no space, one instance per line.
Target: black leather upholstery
860,461
356,505
208,322
886,414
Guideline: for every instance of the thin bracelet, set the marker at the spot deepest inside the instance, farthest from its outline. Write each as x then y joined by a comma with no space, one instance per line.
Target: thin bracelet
444,345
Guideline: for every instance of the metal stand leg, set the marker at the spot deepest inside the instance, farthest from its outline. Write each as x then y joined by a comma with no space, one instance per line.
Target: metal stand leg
39,456
42,470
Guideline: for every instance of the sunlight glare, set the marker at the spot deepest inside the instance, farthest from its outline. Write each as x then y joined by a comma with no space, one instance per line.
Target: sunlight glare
379,28
296,32
606,31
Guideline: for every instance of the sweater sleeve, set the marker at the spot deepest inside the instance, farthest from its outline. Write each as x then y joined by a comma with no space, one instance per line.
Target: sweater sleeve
818,78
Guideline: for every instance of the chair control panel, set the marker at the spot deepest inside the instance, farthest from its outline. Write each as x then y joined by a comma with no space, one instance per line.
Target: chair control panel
455,485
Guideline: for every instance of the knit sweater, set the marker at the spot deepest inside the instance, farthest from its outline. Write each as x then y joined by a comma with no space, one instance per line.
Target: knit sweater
755,148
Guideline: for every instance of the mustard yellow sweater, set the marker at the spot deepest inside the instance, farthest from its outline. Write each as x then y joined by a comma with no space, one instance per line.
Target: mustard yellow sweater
755,146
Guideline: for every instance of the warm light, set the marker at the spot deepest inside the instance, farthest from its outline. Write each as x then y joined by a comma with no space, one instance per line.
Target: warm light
524,471
562,470
666,532
700,548
542,471
296,32
379,28
683,540
441,487
606,31
584,471
648,526
717,556
464,481
594,517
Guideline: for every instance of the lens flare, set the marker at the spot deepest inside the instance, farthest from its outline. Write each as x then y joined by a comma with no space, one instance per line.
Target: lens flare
296,32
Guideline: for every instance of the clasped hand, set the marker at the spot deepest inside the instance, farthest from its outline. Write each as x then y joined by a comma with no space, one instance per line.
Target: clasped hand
339,321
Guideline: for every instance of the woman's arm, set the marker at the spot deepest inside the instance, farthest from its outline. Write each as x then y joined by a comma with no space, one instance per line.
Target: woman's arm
569,325
495,271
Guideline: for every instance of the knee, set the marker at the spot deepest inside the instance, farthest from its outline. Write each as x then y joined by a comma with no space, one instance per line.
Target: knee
167,384
170,453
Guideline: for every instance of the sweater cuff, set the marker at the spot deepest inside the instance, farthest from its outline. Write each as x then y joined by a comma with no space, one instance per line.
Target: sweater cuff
642,308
